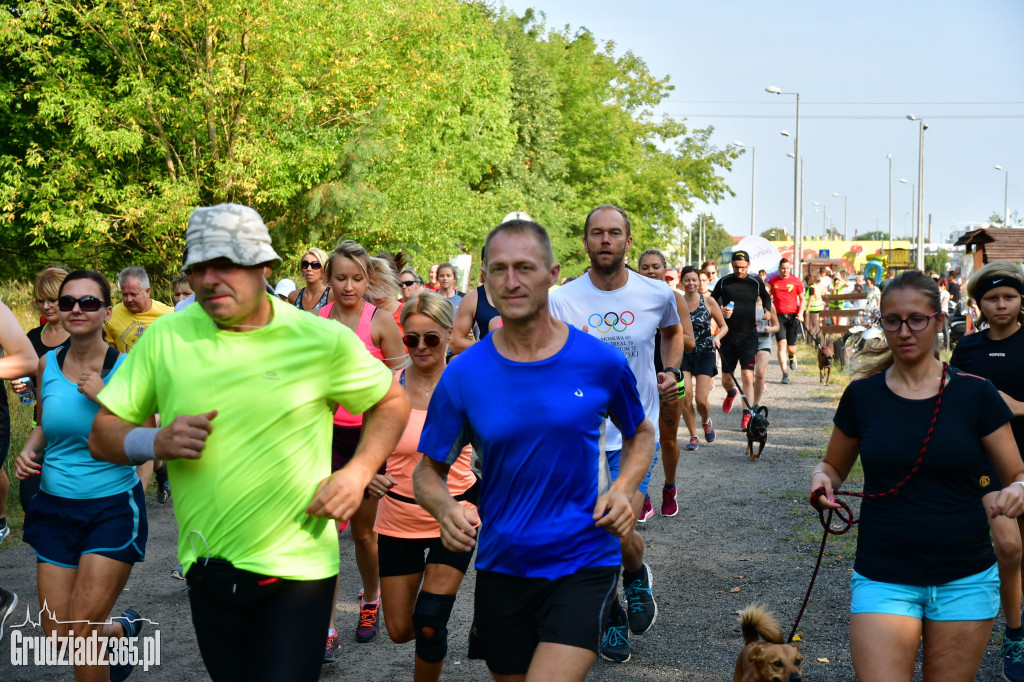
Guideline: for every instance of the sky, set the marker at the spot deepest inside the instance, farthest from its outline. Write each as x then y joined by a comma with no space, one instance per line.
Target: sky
860,68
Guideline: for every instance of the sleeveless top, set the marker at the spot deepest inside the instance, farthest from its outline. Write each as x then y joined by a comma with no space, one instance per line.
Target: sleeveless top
343,417
485,312
319,304
701,319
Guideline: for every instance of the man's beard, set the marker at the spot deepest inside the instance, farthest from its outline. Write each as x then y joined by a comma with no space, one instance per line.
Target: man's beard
611,269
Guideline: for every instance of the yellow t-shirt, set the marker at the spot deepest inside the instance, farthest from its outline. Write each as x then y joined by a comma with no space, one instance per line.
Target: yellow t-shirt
125,328
274,388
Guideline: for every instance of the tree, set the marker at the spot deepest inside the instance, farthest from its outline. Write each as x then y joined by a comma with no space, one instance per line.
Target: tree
936,262
716,238
877,235
996,219
775,234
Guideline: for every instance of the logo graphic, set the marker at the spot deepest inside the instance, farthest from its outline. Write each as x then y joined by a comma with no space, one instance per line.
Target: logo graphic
579,393
77,650
611,322
984,481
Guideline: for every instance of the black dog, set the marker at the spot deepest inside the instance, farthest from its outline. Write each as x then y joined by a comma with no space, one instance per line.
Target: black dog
757,432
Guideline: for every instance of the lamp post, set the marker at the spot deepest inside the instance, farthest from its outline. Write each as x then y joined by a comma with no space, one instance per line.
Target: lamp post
824,218
797,227
889,156
913,197
753,182
846,232
1006,197
920,190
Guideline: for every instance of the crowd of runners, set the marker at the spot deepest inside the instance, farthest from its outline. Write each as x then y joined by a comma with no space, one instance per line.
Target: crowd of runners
517,425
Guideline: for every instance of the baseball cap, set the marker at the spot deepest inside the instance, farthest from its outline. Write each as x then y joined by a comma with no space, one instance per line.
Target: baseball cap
671,274
516,215
229,231
284,287
741,255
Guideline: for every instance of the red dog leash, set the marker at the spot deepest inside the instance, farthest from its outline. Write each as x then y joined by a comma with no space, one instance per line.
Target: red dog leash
846,515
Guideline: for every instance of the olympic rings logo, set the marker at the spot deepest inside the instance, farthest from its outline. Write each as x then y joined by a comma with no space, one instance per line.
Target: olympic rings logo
611,322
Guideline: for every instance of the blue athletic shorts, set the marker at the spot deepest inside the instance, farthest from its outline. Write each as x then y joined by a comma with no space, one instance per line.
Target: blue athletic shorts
975,597
62,529
613,466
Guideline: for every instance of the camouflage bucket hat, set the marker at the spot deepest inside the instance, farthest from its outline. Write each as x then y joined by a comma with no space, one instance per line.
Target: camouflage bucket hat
228,231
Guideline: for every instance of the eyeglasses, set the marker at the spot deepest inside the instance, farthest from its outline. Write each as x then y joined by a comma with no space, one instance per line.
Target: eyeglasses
432,339
409,283
88,304
315,264
915,323
40,302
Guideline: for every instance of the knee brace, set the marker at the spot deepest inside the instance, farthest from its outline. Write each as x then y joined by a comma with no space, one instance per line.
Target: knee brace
432,611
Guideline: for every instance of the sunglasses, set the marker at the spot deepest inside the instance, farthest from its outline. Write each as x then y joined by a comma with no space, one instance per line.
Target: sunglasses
432,339
315,264
88,304
409,283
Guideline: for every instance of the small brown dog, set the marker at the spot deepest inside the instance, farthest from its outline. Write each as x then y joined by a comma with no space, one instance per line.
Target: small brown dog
826,355
765,658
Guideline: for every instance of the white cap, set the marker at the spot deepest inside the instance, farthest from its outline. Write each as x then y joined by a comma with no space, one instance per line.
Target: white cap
516,215
284,287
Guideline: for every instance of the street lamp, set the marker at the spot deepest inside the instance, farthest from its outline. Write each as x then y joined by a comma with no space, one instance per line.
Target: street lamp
797,230
846,232
913,212
920,190
1006,197
824,218
753,182
889,156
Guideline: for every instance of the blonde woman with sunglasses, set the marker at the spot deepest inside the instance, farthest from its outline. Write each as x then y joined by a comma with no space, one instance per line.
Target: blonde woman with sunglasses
316,294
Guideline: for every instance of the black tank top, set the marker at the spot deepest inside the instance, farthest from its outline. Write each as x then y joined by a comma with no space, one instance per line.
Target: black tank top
485,312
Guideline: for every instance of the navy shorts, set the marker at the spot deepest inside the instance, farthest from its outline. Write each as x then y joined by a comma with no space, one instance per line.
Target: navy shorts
408,556
62,529
512,615
699,364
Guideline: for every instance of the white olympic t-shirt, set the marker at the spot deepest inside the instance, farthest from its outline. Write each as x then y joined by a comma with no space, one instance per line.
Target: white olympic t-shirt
627,318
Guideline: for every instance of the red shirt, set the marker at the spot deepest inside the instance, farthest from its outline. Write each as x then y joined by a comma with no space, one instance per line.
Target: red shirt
786,293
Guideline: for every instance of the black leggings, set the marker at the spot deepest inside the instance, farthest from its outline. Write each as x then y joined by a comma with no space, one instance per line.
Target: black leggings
277,636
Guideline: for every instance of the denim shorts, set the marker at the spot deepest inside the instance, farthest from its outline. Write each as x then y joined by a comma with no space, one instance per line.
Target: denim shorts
975,597
613,466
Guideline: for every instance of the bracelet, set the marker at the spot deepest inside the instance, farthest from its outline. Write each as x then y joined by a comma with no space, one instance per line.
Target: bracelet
1020,483
138,445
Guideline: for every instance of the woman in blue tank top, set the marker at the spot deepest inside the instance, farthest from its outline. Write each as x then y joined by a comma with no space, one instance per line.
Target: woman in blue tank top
87,524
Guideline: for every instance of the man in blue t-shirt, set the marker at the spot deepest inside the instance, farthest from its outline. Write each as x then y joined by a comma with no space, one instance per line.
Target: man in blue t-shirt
549,518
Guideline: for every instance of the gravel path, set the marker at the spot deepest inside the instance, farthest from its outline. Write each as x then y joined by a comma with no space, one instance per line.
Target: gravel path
744,533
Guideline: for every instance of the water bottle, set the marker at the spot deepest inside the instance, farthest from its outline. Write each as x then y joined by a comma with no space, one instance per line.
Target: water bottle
28,396
728,309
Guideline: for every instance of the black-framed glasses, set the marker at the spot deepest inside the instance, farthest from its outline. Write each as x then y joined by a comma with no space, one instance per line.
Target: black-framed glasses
315,264
915,323
88,304
408,283
432,339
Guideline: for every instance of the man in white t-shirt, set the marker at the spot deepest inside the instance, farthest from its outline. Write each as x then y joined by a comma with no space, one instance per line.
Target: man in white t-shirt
625,309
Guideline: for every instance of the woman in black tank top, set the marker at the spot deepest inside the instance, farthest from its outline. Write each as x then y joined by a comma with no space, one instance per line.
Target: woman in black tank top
316,294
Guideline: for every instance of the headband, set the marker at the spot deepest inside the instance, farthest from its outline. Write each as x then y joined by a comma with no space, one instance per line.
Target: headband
986,285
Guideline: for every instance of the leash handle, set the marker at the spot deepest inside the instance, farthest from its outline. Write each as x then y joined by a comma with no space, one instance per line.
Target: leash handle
846,515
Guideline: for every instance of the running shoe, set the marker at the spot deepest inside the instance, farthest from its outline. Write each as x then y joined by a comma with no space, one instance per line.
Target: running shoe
693,444
1013,658
746,421
8,602
647,511
727,403
342,527
669,507
792,362
132,622
163,492
709,431
615,642
785,378
5,530
642,609
332,646
178,572
369,621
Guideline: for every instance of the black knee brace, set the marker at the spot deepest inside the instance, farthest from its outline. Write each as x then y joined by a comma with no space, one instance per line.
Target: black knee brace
432,611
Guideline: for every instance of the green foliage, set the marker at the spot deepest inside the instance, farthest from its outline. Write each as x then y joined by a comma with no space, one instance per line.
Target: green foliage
936,262
775,234
877,235
410,126
716,238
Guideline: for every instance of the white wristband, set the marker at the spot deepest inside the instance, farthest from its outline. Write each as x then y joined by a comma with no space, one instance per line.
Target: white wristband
1020,483
138,445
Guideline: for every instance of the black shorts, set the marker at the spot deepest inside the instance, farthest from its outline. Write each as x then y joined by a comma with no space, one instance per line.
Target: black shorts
343,447
788,326
740,348
512,615
407,556
699,364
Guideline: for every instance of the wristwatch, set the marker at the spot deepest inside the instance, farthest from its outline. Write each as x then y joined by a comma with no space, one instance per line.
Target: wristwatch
676,371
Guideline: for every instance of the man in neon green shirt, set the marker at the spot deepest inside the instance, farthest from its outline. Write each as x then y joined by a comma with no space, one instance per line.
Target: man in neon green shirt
246,386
